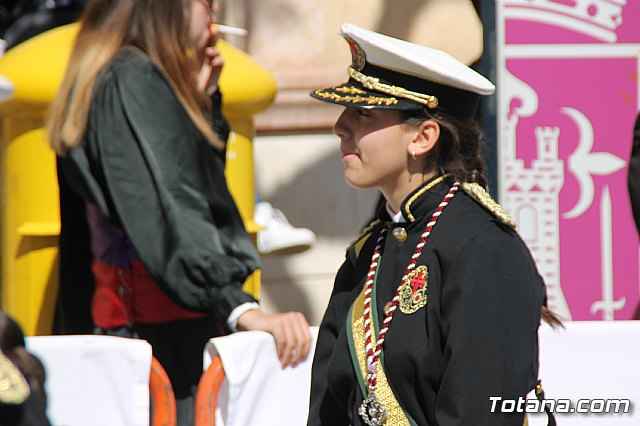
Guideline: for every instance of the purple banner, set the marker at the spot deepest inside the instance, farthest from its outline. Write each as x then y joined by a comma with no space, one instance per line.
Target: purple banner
568,98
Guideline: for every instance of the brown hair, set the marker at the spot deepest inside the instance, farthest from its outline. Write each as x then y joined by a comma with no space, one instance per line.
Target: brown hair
157,27
460,147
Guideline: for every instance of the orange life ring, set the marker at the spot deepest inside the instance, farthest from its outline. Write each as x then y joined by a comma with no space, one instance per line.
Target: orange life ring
163,402
207,395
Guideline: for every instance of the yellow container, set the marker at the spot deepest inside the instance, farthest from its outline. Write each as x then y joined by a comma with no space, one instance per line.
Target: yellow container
28,186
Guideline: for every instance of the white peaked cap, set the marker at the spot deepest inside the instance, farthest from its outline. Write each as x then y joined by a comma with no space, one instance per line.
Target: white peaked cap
389,73
418,61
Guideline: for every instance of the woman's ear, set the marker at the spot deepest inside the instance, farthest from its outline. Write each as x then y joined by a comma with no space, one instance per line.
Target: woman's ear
428,133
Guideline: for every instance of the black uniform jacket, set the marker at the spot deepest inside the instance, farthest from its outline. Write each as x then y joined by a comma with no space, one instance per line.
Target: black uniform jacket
148,168
475,338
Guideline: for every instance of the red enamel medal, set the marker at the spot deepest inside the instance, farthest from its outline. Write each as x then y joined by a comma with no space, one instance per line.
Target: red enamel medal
413,292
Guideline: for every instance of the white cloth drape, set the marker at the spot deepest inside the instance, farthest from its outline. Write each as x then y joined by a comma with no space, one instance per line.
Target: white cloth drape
95,380
257,390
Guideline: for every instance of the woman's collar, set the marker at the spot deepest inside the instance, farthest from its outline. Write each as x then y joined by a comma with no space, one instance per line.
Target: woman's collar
419,202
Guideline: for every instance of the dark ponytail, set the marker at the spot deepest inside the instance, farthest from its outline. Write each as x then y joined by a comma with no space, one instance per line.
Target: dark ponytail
459,150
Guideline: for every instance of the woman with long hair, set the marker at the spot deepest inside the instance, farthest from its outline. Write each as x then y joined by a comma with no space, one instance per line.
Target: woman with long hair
140,137
437,305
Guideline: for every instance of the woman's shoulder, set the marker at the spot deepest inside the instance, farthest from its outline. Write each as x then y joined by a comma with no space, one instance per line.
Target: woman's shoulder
356,246
474,205
482,197
477,218
130,66
133,79
130,57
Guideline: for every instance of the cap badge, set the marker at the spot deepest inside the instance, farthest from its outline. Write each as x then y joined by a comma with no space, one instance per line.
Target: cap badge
358,58
413,292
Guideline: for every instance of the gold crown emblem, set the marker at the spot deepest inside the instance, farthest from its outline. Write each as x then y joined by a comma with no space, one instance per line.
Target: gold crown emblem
598,19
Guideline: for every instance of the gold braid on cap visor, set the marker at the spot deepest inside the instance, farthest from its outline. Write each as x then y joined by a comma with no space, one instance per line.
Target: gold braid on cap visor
373,83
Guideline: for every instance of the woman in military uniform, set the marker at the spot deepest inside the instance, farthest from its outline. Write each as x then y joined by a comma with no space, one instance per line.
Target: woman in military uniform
437,305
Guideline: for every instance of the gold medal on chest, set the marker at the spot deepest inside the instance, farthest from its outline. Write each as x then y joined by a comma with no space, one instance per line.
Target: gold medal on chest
413,293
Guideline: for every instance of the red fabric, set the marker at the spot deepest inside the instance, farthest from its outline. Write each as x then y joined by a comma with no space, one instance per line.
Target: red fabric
129,296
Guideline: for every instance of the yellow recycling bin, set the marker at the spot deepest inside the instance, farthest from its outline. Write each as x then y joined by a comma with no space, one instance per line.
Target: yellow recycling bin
28,185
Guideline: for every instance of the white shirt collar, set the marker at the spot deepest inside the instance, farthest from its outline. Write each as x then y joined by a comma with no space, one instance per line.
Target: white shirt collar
395,217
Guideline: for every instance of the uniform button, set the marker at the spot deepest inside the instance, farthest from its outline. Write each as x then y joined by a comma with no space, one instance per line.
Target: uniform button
399,234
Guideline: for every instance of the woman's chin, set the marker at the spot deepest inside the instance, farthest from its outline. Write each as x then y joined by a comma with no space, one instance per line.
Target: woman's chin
356,183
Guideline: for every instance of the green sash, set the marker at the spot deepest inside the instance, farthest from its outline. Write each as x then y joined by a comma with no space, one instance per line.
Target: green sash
355,333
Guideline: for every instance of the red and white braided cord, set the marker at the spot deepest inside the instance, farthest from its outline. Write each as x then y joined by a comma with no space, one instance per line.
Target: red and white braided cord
374,355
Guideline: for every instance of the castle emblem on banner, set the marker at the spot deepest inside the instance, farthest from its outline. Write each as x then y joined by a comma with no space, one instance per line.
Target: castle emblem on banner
561,167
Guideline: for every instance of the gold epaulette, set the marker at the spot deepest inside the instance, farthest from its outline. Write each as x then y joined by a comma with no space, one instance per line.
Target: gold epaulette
14,389
356,245
478,193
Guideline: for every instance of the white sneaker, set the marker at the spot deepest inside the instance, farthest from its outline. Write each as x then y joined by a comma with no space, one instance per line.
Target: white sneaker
278,235
6,88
